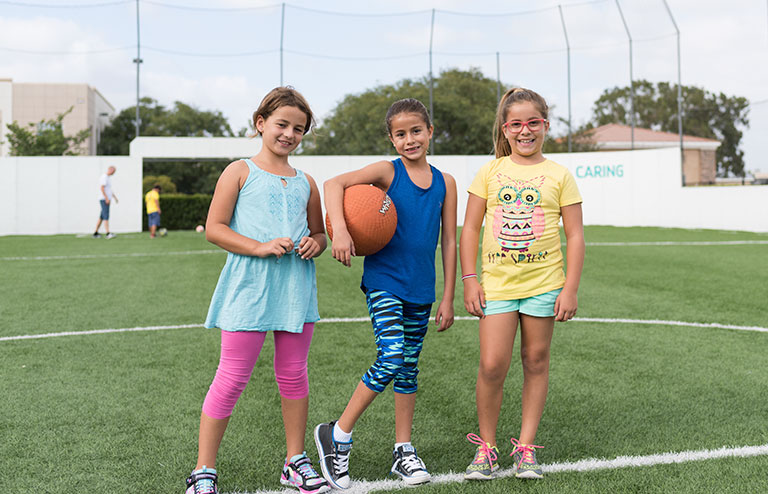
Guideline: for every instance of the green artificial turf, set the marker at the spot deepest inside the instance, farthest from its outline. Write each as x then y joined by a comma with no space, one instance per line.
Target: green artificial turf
119,412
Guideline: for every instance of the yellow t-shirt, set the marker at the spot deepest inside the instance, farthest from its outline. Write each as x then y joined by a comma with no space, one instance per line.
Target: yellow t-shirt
152,198
521,251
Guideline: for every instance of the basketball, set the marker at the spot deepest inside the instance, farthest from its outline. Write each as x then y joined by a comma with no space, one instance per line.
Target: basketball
370,216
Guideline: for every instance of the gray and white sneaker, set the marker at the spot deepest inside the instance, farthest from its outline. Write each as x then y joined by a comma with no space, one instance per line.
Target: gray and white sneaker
407,464
334,456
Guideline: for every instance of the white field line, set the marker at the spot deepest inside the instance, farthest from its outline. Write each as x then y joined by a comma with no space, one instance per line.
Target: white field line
96,331
111,256
219,251
366,319
588,465
643,244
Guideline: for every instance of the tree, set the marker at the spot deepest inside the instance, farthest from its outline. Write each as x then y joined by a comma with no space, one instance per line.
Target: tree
45,138
464,111
164,181
156,120
189,177
181,120
705,114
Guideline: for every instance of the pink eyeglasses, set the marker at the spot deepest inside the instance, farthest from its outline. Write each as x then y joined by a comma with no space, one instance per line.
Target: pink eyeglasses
516,126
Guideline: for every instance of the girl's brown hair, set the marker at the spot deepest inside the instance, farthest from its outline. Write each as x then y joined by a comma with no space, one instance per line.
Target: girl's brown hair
283,96
512,96
407,105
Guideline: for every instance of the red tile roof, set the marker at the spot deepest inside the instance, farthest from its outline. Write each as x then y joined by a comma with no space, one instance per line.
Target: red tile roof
623,133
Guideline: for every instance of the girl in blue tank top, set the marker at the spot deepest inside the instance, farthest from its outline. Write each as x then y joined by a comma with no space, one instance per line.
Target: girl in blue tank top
268,216
399,284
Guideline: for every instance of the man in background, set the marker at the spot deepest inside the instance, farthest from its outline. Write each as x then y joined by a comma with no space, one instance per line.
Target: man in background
106,195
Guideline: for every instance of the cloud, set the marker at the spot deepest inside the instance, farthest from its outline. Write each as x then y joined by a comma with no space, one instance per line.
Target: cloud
722,50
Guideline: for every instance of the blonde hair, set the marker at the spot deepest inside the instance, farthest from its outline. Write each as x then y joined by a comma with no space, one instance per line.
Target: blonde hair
515,95
283,96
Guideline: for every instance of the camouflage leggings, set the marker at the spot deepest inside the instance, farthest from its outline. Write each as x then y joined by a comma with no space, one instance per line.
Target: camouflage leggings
399,328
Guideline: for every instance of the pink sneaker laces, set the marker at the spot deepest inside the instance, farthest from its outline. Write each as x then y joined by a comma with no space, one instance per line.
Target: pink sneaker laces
485,449
526,451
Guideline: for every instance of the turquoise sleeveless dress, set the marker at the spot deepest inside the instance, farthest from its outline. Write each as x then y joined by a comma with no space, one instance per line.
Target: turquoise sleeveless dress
267,294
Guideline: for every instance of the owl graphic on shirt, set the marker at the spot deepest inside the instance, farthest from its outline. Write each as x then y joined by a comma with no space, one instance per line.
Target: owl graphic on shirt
519,219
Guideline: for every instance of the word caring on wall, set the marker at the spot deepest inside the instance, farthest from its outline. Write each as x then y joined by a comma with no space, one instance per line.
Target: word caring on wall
600,171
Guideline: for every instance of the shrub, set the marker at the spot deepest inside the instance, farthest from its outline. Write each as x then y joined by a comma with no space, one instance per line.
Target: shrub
182,211
164,181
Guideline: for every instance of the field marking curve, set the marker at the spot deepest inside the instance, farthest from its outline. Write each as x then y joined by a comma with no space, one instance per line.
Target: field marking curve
110,256
220,251
586,465
330,320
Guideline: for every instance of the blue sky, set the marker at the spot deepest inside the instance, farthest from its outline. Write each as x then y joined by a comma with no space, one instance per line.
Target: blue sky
225,55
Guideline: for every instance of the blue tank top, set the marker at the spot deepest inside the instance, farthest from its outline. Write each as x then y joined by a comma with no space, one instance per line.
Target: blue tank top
405,267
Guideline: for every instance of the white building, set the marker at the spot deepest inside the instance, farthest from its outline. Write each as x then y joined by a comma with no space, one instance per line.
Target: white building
29,102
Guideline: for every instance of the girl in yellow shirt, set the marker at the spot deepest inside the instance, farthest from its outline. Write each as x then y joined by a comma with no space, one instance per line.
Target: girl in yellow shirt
522,196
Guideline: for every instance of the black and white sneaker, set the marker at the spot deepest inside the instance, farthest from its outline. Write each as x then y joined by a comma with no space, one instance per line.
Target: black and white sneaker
334,456
407,464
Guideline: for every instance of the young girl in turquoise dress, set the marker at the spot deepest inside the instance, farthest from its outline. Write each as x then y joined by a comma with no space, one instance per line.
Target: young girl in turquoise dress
399,284
522,196
268,216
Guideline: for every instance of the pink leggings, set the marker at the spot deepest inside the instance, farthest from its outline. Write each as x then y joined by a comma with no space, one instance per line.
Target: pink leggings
239,352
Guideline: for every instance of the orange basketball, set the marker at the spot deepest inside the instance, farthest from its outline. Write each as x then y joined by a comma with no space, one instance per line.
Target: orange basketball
370,216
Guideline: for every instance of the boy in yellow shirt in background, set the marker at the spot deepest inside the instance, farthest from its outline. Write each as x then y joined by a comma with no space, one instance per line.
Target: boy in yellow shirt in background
152,200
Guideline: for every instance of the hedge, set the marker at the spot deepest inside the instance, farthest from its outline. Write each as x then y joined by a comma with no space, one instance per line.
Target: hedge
181,211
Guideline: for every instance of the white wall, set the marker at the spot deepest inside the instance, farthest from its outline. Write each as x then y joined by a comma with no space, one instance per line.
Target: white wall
59,194
646,189
48,195
619,188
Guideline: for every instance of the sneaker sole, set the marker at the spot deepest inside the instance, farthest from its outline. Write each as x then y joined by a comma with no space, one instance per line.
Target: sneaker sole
326,474
477,476
288,483
528,475
414,480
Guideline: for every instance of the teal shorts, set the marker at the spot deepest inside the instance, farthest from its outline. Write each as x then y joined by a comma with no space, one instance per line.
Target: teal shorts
542,305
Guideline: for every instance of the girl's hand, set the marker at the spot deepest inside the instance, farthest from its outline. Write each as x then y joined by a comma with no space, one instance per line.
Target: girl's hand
342,247
308,248
275,247
565,306
474,297
444,315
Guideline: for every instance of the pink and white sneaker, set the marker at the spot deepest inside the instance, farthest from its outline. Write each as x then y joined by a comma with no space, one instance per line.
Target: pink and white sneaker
203,481
302,475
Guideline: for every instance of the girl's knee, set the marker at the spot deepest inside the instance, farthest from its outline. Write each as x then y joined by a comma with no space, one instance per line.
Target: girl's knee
292,379
493,370
407,381
535,361
293,387
223,394
383,372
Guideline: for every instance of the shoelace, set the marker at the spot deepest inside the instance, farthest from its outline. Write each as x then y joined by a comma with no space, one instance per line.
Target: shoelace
341,463
412,462
485,448
205,486
526,451
305,469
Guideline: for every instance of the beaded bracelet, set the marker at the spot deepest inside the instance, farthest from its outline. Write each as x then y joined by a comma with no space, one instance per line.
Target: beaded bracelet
467,276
